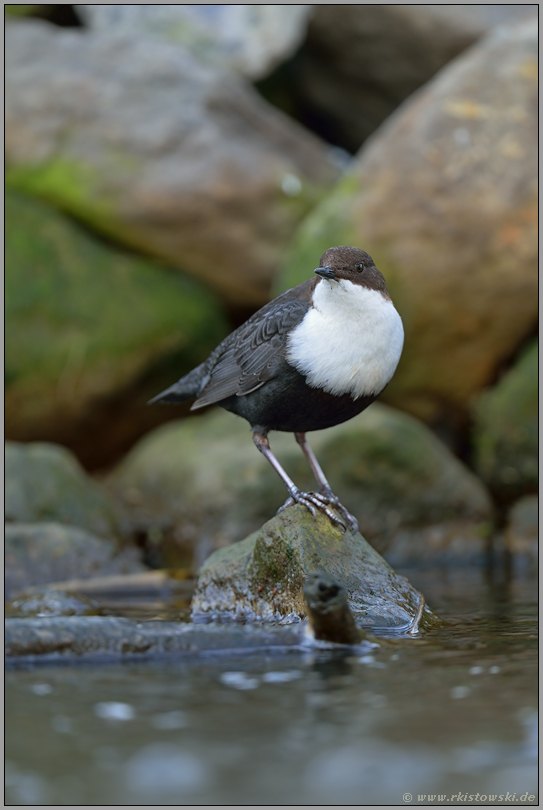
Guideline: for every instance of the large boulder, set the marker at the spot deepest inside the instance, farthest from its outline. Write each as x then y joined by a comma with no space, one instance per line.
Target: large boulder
506,430
250,39
200,484
444,198
91,334
170,155
359,62
45,483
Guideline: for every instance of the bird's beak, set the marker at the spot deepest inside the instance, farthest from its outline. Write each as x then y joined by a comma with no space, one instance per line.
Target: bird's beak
325,272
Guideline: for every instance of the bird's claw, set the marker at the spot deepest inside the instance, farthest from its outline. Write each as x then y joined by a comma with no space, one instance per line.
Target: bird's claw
303,498
321,501
350,520
288,502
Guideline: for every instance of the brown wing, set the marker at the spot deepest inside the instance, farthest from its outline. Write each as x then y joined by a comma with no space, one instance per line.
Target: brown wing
255,352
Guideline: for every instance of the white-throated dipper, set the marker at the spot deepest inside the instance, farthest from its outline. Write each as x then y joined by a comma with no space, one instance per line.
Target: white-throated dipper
315,356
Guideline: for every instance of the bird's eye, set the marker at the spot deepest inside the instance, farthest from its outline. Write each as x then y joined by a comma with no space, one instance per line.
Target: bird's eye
359,267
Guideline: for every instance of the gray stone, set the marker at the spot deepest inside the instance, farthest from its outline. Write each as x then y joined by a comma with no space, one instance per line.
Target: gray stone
92,333
506,431
37,553
45,483
164,586
168,154
262,577
105,638
522,532
50,602
200,484
359,62
250,39
444,198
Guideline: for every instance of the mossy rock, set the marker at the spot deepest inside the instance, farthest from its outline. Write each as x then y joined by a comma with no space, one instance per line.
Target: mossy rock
506,430
160,150
45,483
84,324
262,577
28,10
205,480
458,250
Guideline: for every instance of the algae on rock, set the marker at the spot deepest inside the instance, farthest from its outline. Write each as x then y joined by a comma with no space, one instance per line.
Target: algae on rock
85,323
262,577
506,430
160,150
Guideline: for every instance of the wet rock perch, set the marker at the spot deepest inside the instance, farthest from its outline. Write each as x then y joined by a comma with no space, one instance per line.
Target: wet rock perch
262,577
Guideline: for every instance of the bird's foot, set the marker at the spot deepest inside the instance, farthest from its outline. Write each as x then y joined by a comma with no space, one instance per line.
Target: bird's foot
321,501
333,500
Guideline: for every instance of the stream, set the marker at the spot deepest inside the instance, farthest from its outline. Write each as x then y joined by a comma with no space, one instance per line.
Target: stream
447,717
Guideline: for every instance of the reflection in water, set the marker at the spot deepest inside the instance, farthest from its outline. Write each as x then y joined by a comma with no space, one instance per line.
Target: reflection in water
448,712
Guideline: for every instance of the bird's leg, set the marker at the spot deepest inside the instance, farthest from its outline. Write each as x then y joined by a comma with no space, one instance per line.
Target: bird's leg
311,500
324,487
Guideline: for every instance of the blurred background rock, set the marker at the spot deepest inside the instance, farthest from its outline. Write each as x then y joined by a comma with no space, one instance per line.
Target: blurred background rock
171,168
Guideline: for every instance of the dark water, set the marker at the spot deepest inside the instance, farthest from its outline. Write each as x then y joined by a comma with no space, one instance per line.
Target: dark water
450,717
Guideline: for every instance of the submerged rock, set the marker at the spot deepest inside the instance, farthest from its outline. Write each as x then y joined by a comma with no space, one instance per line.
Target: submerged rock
106,638
50,602
262,577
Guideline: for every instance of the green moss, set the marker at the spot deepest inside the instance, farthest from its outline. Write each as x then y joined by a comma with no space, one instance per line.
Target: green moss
300,205
506,430
274,561
69,185
79,313
14,10
268,581
326,226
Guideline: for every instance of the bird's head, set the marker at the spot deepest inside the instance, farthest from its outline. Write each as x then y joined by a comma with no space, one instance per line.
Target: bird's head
351,264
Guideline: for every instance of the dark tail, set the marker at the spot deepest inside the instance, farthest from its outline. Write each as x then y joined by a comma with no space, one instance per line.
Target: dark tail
188,387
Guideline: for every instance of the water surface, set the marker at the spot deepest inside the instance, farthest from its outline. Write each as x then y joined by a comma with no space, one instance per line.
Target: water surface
445,714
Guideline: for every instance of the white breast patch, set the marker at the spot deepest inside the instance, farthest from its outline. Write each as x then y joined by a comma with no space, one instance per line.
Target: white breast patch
350,341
